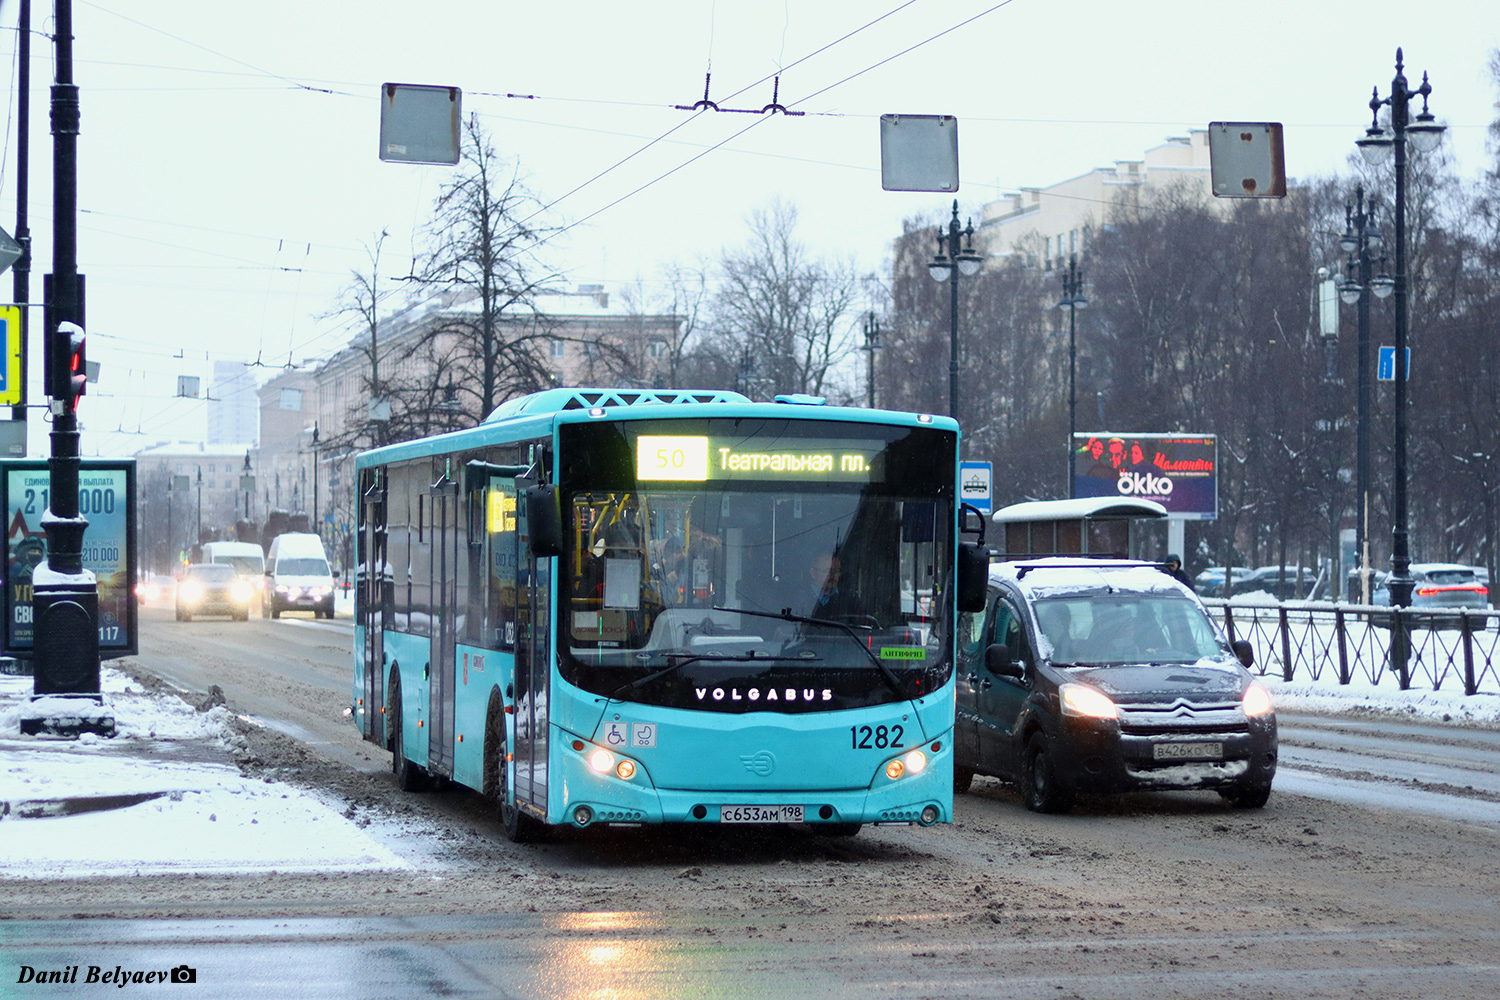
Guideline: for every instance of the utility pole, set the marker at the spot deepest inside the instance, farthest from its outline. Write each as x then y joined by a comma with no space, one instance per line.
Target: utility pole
65,595
22,266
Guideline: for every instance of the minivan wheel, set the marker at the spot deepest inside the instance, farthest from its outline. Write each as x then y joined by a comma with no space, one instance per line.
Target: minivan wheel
962,779
1042,789
1247,795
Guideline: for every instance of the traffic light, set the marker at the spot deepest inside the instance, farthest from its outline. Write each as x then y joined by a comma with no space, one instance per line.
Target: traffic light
67,368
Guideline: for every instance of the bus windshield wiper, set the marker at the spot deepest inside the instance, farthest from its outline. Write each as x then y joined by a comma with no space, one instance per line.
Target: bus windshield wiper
675,664
787,616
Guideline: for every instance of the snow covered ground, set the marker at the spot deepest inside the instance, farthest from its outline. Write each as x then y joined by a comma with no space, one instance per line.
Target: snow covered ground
198,813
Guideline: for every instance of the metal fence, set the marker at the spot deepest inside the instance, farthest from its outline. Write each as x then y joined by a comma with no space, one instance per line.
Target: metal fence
1311,641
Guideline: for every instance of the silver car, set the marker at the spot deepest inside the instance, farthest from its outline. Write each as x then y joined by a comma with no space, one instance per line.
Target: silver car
1437,587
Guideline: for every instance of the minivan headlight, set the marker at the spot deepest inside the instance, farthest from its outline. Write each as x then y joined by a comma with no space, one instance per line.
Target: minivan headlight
1087,702
1257,700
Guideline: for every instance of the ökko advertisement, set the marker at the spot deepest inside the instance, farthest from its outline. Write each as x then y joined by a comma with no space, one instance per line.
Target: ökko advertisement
1178,471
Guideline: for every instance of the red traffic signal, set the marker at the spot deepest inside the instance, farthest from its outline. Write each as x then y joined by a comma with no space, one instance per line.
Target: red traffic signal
67,367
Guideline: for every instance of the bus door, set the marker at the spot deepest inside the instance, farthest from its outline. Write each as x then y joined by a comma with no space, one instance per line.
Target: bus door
444,556
533,661
372,590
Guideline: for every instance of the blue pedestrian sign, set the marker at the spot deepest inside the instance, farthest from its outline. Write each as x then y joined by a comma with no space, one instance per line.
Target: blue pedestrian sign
1385,369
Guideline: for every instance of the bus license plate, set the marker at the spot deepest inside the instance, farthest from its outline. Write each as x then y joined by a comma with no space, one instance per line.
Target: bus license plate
1188,751
760,814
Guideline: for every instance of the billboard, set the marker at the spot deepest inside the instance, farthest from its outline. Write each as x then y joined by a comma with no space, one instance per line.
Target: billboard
106,496
1178,471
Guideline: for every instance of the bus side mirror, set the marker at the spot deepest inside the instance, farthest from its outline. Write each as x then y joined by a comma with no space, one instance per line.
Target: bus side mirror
973,576
544,521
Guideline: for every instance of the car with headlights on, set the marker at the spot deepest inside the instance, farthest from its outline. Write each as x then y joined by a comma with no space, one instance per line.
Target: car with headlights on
213,589
155,588
1106,675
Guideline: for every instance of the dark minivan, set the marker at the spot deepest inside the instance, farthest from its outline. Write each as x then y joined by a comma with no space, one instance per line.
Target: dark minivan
1106,675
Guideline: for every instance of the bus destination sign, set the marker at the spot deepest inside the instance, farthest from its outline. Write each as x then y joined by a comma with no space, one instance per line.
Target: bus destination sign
699,458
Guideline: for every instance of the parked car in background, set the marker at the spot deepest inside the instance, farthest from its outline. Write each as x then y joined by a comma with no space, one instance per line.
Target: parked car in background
1439,587
1210,582
1103,675
1281,582
213,589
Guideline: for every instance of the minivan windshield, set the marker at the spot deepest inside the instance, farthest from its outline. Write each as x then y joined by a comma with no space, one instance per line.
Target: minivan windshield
1123,627
243,564
302,567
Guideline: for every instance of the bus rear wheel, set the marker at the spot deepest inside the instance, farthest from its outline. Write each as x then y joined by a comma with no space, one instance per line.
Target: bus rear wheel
409,777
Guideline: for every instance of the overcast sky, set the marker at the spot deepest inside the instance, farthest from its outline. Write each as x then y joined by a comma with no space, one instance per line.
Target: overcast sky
229,177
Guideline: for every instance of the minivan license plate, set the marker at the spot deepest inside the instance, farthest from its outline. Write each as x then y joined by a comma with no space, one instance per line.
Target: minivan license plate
760,814
1188,751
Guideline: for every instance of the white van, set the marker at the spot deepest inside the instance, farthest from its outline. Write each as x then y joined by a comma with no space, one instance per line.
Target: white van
297,576
246,557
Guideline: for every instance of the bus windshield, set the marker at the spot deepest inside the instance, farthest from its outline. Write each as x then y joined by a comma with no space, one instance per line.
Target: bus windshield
756,568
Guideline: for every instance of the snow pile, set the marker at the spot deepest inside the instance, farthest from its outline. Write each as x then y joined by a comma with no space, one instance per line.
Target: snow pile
192,809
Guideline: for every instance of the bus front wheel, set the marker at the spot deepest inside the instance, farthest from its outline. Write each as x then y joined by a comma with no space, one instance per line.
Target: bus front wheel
520,828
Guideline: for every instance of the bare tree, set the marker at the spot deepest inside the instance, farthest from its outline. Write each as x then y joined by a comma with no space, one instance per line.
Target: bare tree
361,301
484,241
789,314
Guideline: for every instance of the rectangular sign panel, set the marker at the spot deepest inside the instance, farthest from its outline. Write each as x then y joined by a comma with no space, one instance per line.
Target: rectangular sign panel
12,386
1385,366
698,458
974,480
1246,159
106,497
1178,471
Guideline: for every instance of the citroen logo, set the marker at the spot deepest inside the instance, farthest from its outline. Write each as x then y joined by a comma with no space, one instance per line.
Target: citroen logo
760,764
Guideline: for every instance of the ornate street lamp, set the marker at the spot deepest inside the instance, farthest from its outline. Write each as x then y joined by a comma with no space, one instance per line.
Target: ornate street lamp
955,255
1072,300
1377,144
1362,242
872,344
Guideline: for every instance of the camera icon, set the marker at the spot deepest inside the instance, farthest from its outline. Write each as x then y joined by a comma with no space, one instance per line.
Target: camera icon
184,974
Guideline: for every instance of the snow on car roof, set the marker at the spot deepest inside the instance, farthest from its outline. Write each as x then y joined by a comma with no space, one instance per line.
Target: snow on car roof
1058,575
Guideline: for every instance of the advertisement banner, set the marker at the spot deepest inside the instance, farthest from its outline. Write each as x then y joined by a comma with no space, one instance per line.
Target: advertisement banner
106,497
1178,471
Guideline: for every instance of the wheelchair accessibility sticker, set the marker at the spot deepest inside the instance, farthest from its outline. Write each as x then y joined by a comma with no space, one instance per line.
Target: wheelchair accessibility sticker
631,735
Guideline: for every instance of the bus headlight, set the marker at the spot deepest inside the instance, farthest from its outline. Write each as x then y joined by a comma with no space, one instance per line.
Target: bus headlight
916,762
625,769
602,761
894,769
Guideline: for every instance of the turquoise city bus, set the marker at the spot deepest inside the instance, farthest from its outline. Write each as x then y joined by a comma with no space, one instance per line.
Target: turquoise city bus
632,607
